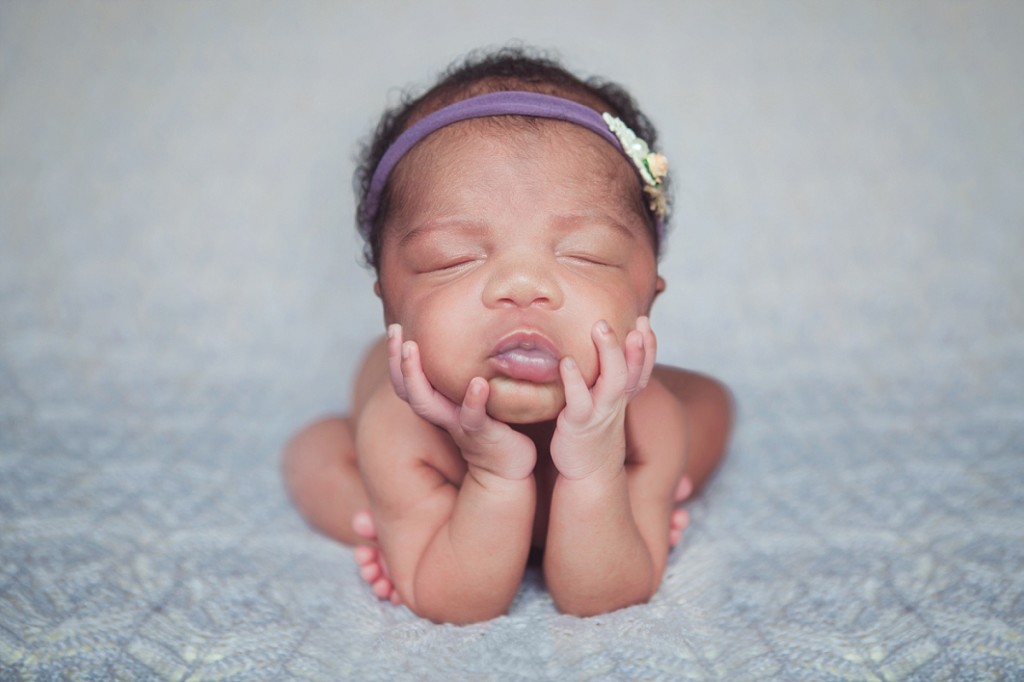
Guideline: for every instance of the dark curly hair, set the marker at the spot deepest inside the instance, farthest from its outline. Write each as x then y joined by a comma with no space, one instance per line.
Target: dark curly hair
481,72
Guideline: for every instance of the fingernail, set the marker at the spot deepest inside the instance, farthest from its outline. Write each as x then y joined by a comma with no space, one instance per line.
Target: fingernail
568,363
406,349
603,327
392,330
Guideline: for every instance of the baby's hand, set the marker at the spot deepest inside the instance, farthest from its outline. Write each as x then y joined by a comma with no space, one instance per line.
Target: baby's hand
486,443
590,435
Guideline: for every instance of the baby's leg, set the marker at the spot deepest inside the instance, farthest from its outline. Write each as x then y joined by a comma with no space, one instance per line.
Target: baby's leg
708,407
321,475
323,479
319,462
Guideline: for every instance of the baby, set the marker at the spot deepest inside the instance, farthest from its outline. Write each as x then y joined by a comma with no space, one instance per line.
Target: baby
514,216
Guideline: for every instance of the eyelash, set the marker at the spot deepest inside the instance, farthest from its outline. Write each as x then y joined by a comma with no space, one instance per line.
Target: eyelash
587,259
455,264
451,264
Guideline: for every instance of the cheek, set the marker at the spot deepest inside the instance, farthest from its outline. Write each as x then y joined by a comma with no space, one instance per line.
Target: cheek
442,329
448,313
619,307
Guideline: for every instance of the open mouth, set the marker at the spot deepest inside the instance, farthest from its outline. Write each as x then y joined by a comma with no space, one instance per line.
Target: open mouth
527,357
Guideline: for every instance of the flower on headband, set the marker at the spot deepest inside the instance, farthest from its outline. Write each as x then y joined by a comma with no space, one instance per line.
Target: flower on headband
657,165
653,167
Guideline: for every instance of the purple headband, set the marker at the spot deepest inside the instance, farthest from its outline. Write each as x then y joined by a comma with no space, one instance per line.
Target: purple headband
513,103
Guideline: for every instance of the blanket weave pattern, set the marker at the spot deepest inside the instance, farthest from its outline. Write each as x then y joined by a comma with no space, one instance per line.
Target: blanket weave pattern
180,291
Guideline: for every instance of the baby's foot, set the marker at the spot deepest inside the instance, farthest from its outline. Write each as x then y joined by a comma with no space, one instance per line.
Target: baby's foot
372,567
680,520
680,517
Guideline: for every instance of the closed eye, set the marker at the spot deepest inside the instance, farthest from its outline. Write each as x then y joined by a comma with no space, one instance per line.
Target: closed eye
587,259
456,264
451,265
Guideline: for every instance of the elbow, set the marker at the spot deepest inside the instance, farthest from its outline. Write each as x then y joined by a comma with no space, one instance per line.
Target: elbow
462,607
584,605
616,586
457,612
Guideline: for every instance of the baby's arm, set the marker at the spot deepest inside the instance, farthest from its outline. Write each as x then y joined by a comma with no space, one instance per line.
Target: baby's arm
609,520
456,549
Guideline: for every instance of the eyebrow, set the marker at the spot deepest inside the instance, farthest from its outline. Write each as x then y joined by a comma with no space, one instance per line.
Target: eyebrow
562,222
577,219
447,225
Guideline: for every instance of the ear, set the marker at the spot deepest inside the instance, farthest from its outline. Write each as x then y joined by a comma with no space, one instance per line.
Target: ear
659,286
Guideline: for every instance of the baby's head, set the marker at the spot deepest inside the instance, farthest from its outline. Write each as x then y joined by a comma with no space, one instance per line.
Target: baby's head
505,70
506,211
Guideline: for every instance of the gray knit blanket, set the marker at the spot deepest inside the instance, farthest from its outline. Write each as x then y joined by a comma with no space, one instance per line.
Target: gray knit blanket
180,290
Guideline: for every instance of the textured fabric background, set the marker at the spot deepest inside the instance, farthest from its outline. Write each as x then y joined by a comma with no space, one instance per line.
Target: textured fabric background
180,290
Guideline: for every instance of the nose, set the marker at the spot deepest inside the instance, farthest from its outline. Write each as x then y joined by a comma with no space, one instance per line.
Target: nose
523,281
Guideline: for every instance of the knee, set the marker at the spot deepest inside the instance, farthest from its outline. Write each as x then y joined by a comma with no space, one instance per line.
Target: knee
718,410
709,401
306,452
721,403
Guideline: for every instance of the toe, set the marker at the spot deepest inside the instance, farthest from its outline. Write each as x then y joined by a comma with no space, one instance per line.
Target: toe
680,520
382,588
684,489
365,555
362,524
370,573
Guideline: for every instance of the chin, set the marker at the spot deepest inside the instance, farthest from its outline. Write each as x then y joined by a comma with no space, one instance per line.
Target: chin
522,402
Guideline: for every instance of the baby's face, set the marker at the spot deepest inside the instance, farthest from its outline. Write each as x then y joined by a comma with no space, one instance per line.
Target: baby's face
501,251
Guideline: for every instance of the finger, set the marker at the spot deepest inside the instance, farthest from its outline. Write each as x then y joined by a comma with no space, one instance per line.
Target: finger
578,402
423,398
395,360
636,355
612,380
473,415
643,324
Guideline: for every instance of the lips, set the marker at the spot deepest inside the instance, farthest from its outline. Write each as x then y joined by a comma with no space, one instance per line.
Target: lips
526,356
